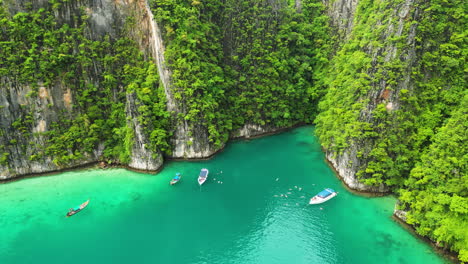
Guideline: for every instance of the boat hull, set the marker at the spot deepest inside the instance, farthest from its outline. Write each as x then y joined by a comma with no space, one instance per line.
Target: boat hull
203,176
174,182
201,181
318,200
73,212
82,206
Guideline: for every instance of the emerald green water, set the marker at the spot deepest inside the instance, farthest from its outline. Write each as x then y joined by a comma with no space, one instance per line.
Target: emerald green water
238,218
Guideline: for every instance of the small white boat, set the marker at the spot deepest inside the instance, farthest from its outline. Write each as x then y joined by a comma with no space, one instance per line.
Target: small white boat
323,196
203,176
176,179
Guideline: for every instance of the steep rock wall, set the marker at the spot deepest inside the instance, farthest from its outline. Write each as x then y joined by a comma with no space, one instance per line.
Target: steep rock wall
142,158
391,118
47,103
346,165
155,42
35,107
341,13
40,113
196,130
254,130
190,138
378,60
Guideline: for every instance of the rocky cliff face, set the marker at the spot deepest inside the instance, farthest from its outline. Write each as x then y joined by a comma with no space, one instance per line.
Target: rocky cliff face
32,115
341,13
254,130
142,158
345,17
347,165
190,139
395,97
34,108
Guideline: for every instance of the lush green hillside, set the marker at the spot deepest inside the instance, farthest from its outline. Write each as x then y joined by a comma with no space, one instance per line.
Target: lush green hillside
232,64
436,193
394,89
405,112
244,61
38,50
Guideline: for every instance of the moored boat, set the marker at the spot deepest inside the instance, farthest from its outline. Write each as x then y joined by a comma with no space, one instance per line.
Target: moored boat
323,196
176,179
203,176
77,209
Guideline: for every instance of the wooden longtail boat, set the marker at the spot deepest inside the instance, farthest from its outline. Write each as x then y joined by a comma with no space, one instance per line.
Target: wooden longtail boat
75,210
176,179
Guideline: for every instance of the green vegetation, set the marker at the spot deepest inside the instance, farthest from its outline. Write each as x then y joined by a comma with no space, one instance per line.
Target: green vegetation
244,62
436,193
37,49
395,89
194,53
404,113
228,69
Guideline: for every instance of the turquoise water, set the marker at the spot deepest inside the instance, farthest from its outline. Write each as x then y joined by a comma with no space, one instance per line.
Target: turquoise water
238,218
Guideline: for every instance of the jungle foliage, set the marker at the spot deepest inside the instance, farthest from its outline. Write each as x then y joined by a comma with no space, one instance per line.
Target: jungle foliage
38,50
395,89
398,100
242,62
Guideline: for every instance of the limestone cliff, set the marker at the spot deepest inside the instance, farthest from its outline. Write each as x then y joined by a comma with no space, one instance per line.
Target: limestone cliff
377,89
47,117
33,108
142,158
131,82
33,116
341,13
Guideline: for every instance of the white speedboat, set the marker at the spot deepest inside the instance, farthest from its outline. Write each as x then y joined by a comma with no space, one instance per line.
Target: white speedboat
323,196
203,176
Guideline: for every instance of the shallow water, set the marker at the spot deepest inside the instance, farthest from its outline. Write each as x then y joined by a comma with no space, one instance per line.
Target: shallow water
238,216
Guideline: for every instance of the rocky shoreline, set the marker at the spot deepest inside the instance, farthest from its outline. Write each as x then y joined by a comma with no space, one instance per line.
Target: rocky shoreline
398,215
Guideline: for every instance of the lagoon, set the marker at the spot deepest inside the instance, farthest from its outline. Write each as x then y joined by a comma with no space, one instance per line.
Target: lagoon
240,215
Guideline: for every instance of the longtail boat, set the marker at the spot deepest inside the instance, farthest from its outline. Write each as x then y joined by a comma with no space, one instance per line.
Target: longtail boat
76,209
176,179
